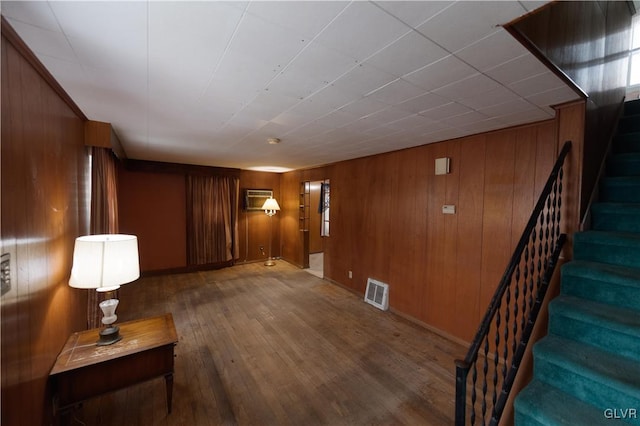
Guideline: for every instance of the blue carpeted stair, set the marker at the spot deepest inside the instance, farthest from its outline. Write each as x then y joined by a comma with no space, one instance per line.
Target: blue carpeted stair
587,369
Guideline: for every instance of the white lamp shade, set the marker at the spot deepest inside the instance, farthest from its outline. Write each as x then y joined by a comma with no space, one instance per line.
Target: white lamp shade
104,262
270,204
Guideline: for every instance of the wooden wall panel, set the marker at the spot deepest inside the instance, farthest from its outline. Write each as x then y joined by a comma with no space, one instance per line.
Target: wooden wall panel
387,221
469,238
253,225
153,207
44,208
498,211
588,41
291,247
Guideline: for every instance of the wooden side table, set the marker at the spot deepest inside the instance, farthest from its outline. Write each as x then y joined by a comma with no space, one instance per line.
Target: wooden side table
84,370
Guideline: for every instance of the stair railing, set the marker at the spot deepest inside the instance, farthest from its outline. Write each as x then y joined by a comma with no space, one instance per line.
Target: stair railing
500,342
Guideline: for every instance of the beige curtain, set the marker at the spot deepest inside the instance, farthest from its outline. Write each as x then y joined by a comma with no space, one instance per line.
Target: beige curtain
212,219
104,211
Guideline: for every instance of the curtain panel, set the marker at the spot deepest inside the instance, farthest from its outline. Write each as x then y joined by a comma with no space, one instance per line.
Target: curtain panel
104,211
212,219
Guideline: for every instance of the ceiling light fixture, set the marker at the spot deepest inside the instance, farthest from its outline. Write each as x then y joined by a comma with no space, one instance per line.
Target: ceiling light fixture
273,141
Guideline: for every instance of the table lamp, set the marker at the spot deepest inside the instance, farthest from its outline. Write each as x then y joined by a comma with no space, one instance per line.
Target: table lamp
105,262
270,207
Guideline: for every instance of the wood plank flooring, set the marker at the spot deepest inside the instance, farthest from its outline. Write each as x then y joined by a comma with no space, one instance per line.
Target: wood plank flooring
278,346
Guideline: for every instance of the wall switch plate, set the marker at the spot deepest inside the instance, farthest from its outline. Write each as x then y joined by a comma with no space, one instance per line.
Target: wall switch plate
5,273
350,274
449,209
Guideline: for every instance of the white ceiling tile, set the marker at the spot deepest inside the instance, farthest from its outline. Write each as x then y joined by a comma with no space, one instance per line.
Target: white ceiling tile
336,119
36,13
440,73
295,84
330,97
414,12
362,79
445,111
407,54
266,43
553,97
506,108
525,117
361,30
465,22
467,88
248,64
322,63
519,68
531,5
363,107
45,42
306,18
444,134
101,20
411,122
496,48
536,84
465,119
483,126
422,102
389,115
495,96
395,92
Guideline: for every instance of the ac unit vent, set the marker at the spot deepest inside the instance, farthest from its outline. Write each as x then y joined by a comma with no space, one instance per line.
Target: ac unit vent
377,294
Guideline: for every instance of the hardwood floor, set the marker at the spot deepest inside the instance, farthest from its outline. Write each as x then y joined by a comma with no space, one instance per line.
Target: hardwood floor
278,346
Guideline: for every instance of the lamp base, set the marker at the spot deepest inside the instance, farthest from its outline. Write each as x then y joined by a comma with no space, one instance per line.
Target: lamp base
109,336
270,262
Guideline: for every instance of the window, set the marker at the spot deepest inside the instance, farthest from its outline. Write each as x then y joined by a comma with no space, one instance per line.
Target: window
634,58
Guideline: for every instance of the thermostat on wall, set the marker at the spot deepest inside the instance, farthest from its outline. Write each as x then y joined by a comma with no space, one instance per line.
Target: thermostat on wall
442,166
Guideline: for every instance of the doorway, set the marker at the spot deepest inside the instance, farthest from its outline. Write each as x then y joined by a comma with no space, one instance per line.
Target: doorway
318,224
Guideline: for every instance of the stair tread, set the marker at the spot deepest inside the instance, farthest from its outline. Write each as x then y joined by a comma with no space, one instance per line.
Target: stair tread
619,275
547,405
608,237
615,318
617,207
621,180
595,364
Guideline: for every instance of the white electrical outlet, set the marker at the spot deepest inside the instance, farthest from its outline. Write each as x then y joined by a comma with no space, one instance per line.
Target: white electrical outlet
350,274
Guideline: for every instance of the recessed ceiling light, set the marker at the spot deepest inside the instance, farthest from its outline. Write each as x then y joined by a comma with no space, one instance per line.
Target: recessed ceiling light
273,141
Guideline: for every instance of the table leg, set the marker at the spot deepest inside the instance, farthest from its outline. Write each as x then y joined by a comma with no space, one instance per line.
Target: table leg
169,383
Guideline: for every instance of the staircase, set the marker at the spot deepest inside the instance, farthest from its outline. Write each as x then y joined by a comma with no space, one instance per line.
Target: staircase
587,369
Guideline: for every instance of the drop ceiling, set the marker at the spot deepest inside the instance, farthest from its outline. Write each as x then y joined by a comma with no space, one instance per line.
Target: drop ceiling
209,82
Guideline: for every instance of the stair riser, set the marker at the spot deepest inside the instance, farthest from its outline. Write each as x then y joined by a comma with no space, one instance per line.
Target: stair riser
611,192
597,393
615,222
632,107
624,255
626,143
621,166
629,124
593,333
601,291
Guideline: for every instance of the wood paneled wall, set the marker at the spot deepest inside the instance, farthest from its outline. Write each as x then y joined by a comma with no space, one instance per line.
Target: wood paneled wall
253,225
153,207
152,203
589,41
387,221
44,208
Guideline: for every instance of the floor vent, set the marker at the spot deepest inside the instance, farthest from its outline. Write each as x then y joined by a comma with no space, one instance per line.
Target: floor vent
377,294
